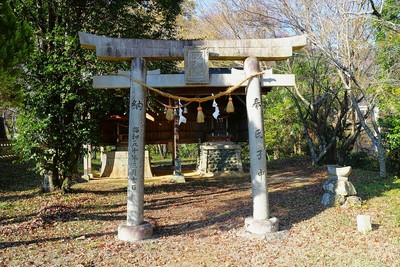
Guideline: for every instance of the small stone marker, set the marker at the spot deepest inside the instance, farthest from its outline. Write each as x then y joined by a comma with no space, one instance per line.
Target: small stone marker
47,182
364,223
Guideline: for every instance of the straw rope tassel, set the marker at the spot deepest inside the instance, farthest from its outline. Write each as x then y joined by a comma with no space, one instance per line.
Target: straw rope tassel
229,107
200,114
170,112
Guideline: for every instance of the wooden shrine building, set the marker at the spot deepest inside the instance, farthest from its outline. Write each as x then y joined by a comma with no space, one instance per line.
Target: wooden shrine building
227,127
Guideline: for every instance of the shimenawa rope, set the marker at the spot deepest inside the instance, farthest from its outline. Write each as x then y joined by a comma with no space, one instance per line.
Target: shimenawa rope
194,99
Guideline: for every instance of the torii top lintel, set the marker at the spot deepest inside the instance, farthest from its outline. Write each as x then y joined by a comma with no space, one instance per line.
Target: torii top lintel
124,49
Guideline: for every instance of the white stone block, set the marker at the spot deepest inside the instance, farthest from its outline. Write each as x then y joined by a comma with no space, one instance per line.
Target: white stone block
364,223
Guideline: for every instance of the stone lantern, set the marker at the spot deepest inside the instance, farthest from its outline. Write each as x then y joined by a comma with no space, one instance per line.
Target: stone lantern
338,189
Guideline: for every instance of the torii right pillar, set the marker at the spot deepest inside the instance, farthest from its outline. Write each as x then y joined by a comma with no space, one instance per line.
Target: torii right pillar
260,223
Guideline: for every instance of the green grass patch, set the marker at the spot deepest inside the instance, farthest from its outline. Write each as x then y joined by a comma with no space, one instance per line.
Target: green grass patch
6,205
385,193
370,185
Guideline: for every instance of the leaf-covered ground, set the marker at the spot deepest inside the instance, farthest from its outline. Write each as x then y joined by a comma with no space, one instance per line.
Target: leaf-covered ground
199,223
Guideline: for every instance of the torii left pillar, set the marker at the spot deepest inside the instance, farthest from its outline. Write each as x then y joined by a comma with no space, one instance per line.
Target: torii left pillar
136,228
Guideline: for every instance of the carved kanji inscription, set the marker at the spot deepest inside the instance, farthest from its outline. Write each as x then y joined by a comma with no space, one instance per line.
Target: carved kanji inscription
196,65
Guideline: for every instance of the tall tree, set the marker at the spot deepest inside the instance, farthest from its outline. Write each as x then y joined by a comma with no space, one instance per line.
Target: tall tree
386,14
320,102
388,54
15,47
391,136
61,110
344,34
324,108
283,136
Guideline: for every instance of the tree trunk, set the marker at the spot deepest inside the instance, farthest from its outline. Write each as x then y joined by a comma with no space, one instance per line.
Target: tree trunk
66,185
2,129
310,144
375,136
330,156
54,173
381,159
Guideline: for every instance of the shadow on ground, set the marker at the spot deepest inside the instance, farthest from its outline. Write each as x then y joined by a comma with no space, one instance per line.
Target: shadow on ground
53,239
228,202
206,204
17,177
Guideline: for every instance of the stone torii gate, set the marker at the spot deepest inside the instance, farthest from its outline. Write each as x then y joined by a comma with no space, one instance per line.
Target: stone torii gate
138,51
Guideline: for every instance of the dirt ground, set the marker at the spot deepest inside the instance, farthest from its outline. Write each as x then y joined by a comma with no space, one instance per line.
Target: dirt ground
199,223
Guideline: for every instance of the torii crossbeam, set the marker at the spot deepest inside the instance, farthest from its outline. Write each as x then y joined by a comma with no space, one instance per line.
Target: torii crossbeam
122,49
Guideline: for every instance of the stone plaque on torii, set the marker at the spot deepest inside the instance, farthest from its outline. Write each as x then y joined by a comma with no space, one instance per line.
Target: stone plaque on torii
138,51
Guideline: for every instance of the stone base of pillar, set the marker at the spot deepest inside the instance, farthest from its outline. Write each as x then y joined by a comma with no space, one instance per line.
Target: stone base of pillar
135,233
261,227
87,177
180,179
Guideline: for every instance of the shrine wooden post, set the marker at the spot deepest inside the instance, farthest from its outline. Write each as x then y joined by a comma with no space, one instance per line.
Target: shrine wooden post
177,176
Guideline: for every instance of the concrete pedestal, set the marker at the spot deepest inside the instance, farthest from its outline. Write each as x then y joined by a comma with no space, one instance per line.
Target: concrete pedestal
114,164
135,233
261,227
218,157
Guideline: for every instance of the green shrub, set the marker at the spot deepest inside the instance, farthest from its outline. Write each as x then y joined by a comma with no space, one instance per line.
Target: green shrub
245,152
362,160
